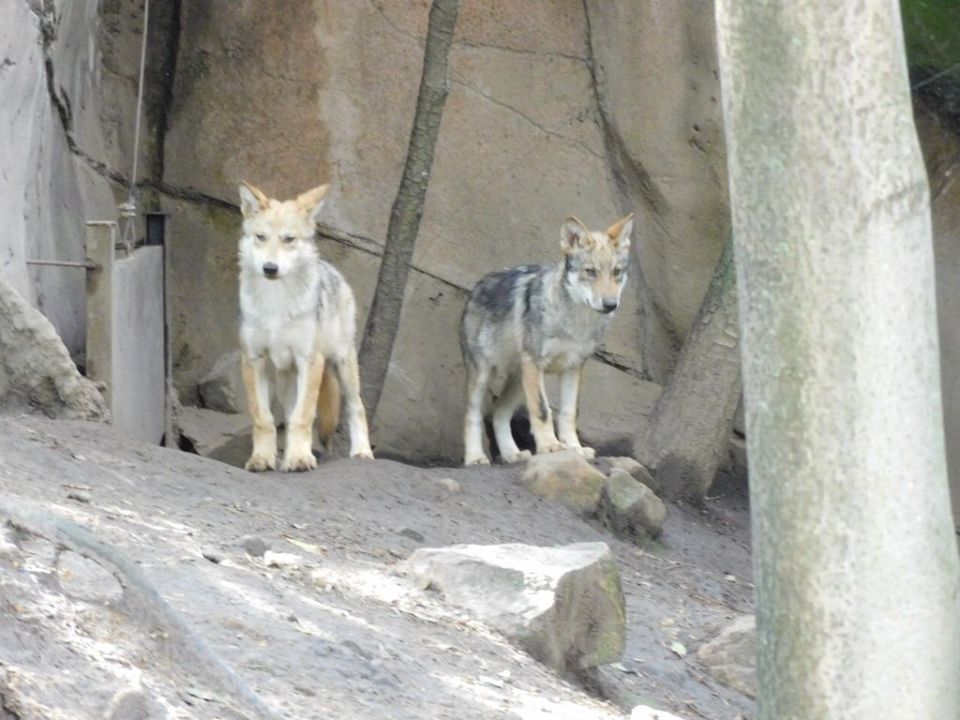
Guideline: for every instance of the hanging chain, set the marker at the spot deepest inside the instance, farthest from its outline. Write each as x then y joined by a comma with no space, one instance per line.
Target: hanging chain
128,209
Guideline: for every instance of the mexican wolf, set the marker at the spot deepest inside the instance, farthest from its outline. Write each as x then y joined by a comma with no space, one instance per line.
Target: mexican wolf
525,321
297,332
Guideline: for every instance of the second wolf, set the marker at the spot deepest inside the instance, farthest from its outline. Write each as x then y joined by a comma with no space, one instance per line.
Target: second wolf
525,321
297,332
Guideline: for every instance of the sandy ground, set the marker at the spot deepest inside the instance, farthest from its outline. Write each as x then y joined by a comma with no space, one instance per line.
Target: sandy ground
345,635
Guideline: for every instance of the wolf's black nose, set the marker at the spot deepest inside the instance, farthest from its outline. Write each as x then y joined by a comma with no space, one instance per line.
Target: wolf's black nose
270,269
610,305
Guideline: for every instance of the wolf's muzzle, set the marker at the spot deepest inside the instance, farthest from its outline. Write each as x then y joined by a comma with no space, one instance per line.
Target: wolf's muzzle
610,305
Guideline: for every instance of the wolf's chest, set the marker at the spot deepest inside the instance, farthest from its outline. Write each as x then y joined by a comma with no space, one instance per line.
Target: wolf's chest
281,340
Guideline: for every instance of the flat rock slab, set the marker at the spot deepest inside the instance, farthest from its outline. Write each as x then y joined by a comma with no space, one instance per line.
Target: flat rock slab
564,605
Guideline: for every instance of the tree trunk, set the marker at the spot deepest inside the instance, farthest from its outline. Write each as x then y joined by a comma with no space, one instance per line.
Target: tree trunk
384,317
854,551
689,435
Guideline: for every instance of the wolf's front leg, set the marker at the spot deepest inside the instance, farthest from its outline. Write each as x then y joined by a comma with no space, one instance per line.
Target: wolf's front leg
477,378
299,451
538,408
256,384
356,414
567,418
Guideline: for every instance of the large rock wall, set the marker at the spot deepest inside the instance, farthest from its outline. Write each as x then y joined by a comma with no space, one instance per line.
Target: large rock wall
533,130
62,129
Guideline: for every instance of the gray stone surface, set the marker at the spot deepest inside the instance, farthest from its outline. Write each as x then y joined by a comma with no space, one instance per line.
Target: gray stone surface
85,579
564,605
347,635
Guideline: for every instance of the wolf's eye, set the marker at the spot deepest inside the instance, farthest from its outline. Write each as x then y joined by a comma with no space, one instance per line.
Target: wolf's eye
287,239
590,272
617,272
261,238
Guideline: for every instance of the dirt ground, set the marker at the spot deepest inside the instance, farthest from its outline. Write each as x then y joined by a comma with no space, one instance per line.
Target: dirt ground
345,634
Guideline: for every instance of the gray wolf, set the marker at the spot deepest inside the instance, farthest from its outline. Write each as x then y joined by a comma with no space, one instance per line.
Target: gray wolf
297,332
525,321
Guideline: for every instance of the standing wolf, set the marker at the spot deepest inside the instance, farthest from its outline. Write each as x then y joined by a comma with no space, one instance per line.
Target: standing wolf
524,321
297,332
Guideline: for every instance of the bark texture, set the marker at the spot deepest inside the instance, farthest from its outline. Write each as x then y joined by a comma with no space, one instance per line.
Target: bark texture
688,437
855,556
384,317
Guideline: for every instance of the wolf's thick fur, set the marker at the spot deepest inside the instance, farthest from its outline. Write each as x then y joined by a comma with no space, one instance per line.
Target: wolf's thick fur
297,332
524,321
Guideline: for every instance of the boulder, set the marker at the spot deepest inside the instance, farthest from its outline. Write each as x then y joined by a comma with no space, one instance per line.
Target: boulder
216,435
567,477
36,372
731,656
630,508
221,388
629,465
563,605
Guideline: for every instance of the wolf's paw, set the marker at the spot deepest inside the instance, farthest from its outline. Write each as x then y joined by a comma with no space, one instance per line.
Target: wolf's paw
296,462
259,463
550,446
476,460
585,452
363,454
518,456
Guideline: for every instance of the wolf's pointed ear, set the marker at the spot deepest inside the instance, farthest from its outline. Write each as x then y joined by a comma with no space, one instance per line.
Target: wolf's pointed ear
619,232
252,200
574,236
311,202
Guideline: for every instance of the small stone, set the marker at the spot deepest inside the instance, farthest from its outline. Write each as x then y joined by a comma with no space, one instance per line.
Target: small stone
678,649
133,705
630,508
79,496
412,534
567,477
631,466
213,556
282,560
449,484
254,546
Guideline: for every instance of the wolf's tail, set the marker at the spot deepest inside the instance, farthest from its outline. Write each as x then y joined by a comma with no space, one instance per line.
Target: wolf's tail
328,404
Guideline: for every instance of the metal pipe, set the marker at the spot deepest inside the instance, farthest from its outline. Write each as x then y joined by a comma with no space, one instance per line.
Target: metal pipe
65,263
